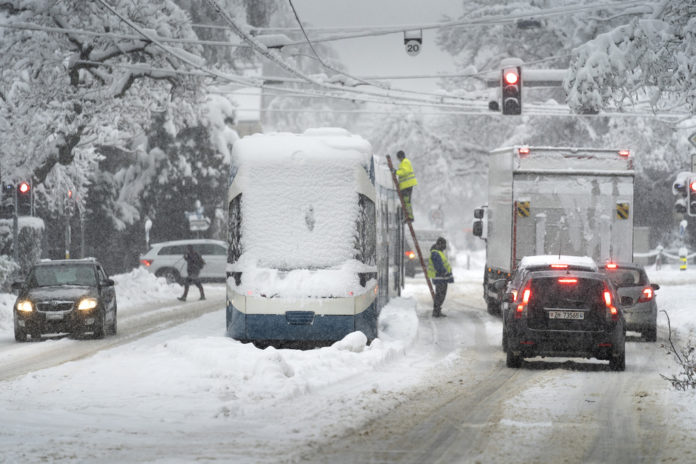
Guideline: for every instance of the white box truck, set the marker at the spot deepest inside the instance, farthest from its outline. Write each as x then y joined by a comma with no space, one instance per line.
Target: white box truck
549,200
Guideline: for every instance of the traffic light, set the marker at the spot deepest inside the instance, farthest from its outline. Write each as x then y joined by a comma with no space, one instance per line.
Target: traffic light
691,196
7,203
512,90
24,199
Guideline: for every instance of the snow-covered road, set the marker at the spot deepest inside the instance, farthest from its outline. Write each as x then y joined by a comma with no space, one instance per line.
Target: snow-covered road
168,390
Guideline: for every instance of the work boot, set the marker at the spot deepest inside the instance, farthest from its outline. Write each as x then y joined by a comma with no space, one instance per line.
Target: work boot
182,298
438,313
202,297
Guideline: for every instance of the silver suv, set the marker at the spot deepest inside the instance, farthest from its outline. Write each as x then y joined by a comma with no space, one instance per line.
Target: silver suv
638,299
166,259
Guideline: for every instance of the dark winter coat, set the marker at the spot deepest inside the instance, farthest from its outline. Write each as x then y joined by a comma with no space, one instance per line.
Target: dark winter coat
194,262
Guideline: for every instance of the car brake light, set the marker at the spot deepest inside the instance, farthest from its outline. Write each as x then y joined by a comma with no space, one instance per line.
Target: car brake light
647,295
624,153
607,298
146,262
514,295
568,280
559,266
410,254
526,294
523,151
612,266
613,312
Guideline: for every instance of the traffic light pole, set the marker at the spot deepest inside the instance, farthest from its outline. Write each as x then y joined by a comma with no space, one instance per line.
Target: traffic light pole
15,230
410,227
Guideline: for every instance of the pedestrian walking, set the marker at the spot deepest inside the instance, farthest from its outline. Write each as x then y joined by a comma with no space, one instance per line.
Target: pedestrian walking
440,273
194,264
407,180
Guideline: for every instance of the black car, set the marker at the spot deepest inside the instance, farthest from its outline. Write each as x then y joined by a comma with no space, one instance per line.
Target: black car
73,296
565,313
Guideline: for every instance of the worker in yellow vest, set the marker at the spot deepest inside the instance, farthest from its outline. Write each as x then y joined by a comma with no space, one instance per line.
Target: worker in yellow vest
407,180
440,274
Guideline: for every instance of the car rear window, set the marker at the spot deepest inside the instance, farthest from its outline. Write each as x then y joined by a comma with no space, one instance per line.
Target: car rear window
628,277
566,292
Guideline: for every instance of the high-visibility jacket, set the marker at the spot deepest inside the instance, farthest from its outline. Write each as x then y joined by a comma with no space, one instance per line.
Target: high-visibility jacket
407,178
439,269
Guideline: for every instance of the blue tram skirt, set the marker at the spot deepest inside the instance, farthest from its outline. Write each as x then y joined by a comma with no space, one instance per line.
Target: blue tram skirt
300,325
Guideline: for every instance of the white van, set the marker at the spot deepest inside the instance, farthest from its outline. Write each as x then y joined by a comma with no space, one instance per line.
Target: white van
166,259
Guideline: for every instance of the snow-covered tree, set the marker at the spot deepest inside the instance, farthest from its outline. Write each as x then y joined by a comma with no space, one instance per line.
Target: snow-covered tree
650,59
76,75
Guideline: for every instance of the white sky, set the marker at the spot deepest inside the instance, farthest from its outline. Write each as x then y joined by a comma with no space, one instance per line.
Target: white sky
385,55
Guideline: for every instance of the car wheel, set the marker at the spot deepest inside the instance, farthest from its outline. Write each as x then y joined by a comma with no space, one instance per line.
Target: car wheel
513,360
618,362
650,334
99,326
20,335
171,275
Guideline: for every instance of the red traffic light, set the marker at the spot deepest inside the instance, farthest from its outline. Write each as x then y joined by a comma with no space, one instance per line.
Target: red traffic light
24,187
511,77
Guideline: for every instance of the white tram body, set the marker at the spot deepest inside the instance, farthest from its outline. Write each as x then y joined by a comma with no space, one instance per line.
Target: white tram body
311,224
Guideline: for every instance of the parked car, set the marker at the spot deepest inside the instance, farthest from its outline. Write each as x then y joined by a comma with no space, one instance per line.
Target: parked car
65,296
561,312
638,299
166,259
426,238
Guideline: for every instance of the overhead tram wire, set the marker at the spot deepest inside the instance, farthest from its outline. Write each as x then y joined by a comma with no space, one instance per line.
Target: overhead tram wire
483,21
324,64
239,80
414,102
264,51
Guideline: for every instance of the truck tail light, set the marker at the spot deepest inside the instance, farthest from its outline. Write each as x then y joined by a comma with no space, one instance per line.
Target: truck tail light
522,306
410,254
624,153
523,151
647,295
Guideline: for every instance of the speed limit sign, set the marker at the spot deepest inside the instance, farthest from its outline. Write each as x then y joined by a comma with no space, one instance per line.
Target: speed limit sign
413,47
413,41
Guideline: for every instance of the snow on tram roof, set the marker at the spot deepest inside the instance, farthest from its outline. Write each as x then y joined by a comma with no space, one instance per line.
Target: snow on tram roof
314,144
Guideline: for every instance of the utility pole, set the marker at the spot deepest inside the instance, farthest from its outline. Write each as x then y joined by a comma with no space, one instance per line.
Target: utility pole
15,230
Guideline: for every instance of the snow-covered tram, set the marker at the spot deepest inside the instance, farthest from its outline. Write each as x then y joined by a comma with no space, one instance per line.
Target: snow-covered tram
314,231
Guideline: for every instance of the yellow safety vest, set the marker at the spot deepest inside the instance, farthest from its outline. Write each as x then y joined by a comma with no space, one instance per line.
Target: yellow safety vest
431,269
407,178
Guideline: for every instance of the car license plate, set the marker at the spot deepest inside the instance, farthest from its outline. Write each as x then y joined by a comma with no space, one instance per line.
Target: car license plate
575,315
57,316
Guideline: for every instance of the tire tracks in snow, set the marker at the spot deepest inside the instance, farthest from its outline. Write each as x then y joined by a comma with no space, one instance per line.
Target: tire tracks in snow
22,358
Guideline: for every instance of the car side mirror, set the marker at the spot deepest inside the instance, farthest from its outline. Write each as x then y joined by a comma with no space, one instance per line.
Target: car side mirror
626,301
500,284
509,297
109,282
655,286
